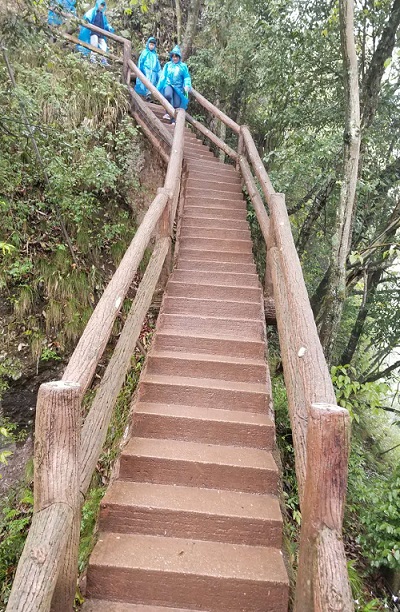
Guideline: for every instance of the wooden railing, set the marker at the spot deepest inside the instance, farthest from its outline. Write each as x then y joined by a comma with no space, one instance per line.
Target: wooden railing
66,453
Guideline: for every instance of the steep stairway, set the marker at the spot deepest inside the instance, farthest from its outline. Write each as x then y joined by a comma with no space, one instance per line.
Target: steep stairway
193,520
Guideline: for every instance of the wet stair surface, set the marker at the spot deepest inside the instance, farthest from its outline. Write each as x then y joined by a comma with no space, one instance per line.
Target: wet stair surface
193,520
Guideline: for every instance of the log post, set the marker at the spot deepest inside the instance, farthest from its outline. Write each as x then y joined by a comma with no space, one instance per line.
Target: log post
240,149
322,581
257,163
56,475
126,72
56,501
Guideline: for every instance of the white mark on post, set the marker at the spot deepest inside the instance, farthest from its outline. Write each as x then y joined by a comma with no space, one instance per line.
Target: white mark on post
302,351
118,302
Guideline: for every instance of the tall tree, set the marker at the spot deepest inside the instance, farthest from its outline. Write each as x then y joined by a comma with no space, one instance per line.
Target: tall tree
191,28
331,312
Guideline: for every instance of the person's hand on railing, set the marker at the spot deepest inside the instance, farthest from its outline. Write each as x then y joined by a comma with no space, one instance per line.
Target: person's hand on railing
186,90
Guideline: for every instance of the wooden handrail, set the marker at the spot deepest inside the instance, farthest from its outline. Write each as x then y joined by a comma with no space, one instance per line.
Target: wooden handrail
257,163
216,111
211,136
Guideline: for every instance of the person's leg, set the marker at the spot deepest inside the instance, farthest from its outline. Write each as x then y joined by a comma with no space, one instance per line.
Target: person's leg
94,41
103,47
169,95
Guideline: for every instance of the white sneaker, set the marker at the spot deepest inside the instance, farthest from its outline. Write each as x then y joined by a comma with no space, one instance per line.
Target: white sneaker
166,116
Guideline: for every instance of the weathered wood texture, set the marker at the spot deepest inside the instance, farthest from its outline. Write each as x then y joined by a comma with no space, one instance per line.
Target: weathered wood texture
322,581
212,137
257,163
76,41
258,204
56,500
93,341
156,94
127,55
65,589
156,143
306,373
149,117
39,564
94,430
216,111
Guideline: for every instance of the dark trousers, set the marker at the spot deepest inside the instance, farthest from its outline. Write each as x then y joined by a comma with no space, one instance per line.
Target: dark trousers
172,97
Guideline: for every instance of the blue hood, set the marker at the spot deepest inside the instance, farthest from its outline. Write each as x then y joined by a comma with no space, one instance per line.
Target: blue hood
98,2
176,51
151,39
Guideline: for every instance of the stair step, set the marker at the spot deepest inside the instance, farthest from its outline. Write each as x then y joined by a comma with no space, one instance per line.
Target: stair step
212,326
217,292
187,512
205,255
216,166
207,193
95,605
206,366
203,155
212,308
217,233
191,464
232,279
227,177
211,210
206,425
214,266
173,340
188,573
222,202
218,244
207,392
214,185
217,224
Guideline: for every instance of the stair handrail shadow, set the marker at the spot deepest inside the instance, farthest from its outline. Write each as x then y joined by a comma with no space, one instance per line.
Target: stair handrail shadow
47,569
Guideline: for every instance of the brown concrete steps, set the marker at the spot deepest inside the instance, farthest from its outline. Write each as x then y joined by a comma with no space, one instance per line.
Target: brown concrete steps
218,244
189,263
206,366
97,605
181,340
206,425
184,512
193,574
209,292
208,193
215,177
215,166
189,220
194,464
193,231
245,329
231,279
199,391
191,252
210,183
211,210
203,307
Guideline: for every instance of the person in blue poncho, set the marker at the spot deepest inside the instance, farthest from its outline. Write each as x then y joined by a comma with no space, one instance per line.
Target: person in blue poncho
66,6
97,17
150,66
175,82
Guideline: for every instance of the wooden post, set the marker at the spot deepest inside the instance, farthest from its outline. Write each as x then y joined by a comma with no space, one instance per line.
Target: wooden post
322,581
56,476
126,72
56,501
240,149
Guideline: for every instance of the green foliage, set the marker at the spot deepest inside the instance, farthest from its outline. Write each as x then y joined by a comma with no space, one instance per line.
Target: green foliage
15,517
356,396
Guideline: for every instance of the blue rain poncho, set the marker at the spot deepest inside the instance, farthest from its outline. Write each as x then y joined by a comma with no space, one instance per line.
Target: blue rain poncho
150,66
66,6
85,33
176,75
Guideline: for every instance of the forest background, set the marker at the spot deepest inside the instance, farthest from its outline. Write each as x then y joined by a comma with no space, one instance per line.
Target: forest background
276,66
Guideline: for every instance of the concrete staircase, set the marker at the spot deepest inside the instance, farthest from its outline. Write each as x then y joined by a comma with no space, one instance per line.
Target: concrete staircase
193,521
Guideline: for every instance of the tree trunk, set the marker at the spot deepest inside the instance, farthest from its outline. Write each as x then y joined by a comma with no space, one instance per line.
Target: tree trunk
191,27
332,307
319,203
178,12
